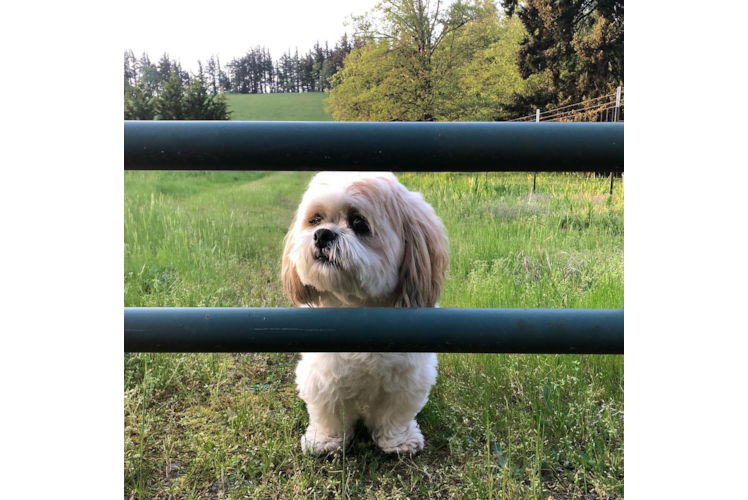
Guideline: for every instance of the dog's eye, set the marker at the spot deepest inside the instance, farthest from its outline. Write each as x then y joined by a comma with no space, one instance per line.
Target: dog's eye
359,225
314,221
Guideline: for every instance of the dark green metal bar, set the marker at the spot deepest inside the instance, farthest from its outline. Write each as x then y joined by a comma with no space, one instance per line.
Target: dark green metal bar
558,331
396,146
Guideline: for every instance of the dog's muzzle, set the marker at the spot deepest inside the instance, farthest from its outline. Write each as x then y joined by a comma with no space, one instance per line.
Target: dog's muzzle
323,238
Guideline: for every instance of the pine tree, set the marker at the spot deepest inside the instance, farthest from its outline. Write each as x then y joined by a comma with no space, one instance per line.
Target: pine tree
238,71
144,62
199,104
297,70
168,104
164,68
200,71
268,68
148,74
578,43
341,50
196,103
139,103
307,73
184,76
281,73
212,72
131,74
218,107
224,81
326,72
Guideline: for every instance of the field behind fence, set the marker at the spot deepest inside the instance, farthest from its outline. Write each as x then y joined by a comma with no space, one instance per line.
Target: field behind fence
220,425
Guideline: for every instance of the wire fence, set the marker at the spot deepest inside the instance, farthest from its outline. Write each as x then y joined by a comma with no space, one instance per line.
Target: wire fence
606,108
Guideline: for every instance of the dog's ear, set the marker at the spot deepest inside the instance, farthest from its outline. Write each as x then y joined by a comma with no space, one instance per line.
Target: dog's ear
426,253
299,293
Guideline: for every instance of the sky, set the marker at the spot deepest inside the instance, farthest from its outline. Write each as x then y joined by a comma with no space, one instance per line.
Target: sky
189,31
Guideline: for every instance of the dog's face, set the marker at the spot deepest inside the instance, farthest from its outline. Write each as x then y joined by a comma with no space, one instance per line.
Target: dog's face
363,239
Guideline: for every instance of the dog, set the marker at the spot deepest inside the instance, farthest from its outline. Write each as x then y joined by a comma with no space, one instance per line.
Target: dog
361,239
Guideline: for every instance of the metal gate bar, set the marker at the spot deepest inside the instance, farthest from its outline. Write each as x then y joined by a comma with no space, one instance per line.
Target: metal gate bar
399,146
558,331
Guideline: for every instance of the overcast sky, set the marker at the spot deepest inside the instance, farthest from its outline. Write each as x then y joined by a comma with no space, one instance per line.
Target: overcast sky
189,31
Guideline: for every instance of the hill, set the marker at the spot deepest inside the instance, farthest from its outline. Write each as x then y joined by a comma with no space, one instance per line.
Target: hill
278,107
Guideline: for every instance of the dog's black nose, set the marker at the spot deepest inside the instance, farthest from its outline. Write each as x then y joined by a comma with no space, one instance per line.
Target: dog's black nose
323,237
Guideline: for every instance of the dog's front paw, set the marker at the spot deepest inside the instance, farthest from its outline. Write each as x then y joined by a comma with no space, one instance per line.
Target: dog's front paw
408,442
320,443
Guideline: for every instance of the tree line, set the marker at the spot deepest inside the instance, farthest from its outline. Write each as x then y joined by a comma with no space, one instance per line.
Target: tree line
173,100
422,60
253,73
257,73
165,91
414,60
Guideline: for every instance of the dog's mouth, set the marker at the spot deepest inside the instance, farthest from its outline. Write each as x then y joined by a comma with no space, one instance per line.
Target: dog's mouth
322,258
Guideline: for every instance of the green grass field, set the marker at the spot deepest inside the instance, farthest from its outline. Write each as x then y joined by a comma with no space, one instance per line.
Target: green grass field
278,107
496,426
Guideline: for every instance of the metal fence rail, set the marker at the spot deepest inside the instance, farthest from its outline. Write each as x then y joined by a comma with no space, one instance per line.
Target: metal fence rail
602,109
429,147
412,147
559,331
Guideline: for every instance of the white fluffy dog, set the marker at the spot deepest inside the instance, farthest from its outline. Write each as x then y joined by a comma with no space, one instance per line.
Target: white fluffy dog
361,239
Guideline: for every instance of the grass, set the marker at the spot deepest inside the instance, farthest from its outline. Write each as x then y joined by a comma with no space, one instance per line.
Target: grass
306,106
496,426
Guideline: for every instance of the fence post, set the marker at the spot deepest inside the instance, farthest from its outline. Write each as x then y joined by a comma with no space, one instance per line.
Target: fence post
535,174
618,103
615,119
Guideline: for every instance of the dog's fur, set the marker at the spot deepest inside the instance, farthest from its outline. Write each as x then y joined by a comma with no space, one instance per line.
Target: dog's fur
389,250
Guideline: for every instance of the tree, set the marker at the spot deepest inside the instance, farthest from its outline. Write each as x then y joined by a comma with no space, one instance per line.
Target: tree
139,103
164,67
297,71
148,74
408,66
254,72
224,81
200,71
369,87
168,105
249,73
218,107
490,81
317,59
184,76
131,75
285,73
326,72
198,104
601,51
578,44
175,101
268,72
144,62
308,80
212,72
341,50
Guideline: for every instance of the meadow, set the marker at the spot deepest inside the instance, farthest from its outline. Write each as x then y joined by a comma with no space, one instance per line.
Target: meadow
305,106
496,426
